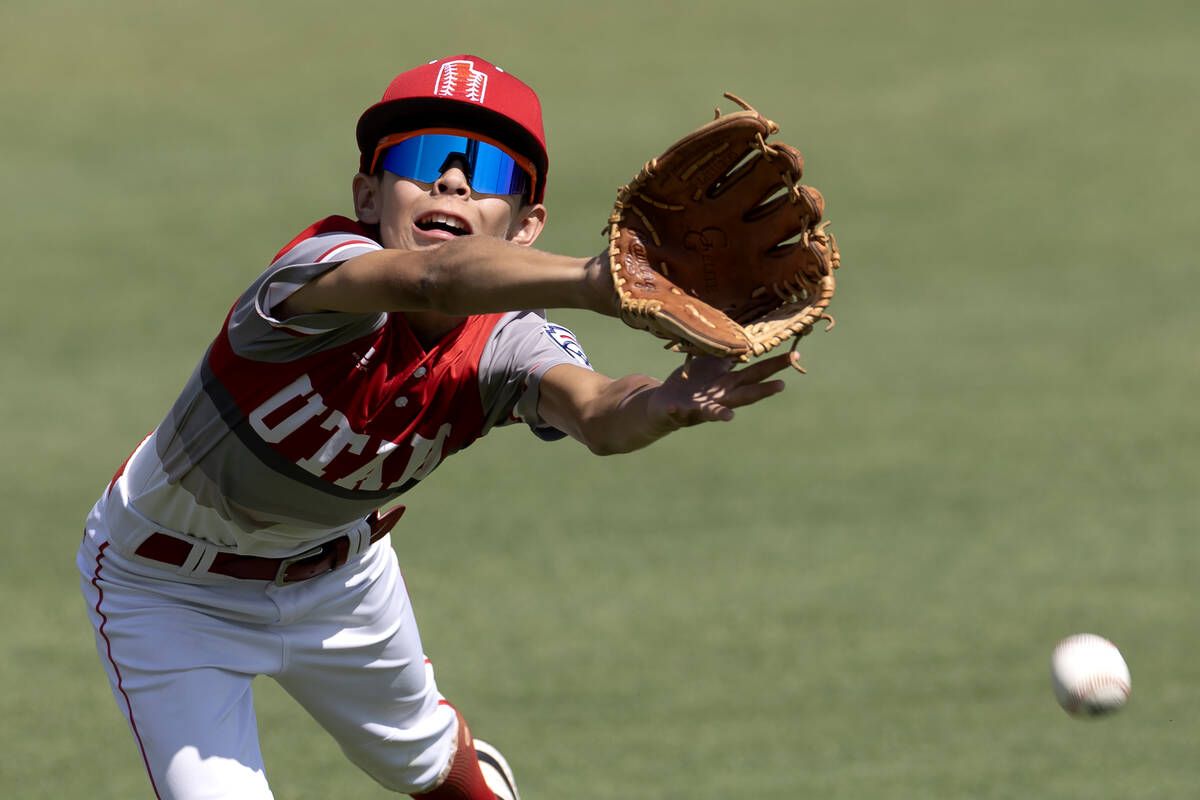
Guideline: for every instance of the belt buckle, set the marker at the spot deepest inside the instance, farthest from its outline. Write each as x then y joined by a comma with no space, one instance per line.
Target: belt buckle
286,563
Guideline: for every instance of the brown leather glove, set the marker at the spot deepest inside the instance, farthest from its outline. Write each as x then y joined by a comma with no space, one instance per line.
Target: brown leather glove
716,247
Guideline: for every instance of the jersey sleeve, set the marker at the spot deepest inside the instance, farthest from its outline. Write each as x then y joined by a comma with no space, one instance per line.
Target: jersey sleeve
523,346
256,332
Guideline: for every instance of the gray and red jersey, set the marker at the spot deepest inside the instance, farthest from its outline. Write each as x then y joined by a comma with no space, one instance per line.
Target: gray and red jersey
292,431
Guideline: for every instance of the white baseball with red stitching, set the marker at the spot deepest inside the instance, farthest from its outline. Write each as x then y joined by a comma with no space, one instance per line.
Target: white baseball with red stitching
1089,674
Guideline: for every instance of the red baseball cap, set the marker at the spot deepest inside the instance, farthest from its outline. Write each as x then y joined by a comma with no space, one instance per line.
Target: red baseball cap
463,92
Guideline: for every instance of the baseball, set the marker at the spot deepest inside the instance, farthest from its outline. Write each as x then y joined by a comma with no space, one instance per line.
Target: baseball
1089,675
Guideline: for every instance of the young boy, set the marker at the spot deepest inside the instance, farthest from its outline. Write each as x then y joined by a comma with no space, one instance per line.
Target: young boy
244,537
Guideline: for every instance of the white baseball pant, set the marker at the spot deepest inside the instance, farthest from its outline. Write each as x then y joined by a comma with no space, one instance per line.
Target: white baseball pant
181,656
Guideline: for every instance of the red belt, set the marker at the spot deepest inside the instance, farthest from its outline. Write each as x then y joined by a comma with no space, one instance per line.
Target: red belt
292,569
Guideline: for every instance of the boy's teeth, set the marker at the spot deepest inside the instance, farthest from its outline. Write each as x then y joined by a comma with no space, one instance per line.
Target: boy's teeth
442,219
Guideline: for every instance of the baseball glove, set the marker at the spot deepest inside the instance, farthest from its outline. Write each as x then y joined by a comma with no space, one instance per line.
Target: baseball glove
716,247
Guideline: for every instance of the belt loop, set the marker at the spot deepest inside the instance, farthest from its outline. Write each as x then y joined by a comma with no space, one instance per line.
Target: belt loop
198,560
359,538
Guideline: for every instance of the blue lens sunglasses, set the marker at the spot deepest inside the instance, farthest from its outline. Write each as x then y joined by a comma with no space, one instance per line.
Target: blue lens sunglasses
423,155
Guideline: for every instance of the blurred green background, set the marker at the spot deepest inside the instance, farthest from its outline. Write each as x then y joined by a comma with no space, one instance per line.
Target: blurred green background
850,592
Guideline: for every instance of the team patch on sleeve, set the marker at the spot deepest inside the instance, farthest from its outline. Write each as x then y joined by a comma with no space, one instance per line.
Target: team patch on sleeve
567,341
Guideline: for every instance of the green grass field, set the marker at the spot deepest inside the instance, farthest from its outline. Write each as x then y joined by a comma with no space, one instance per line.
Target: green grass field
850,592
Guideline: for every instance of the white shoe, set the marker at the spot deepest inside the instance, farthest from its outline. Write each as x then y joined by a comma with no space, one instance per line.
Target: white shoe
496,772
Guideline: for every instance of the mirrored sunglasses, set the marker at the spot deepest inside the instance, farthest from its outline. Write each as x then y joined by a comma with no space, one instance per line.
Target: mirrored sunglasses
424,155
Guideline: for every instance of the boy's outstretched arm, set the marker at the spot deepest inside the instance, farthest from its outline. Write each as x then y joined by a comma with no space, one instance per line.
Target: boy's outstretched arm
469,275
624,414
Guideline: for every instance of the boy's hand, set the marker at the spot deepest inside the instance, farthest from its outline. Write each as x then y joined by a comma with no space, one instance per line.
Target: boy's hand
707,389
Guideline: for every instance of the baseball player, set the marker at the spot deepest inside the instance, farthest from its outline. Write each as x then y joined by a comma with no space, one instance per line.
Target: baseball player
247,534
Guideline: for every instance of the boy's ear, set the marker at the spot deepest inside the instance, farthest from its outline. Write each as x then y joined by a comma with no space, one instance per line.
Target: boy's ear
528,224
366,198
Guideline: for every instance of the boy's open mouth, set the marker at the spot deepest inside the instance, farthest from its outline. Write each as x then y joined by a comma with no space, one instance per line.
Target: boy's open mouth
437,221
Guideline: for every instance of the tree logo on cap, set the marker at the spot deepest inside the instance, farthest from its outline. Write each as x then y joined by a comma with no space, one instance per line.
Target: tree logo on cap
460,80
